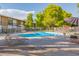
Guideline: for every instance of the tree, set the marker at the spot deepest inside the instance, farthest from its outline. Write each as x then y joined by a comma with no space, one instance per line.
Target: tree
66,14
39,19
54,16
29,21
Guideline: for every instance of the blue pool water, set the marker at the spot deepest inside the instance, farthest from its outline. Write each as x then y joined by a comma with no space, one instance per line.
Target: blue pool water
40,34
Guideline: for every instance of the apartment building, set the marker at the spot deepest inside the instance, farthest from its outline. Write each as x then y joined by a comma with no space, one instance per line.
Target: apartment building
10,25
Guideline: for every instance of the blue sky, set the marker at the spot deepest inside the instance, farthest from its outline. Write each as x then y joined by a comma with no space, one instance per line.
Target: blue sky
37,7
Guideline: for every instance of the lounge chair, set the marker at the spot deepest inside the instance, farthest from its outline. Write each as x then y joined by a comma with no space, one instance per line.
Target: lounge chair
74,39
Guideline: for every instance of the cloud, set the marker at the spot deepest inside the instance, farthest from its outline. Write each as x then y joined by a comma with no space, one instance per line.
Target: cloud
15,13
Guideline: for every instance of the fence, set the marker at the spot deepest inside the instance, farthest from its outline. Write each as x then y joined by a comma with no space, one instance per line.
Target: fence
55,29
66,29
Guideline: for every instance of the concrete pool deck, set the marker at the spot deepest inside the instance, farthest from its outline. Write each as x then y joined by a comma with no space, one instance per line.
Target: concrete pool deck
54,47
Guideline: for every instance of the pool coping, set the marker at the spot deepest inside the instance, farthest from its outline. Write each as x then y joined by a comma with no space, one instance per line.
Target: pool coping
42,37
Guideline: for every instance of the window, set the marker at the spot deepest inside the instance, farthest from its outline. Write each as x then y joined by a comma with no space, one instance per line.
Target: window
10,21
14,22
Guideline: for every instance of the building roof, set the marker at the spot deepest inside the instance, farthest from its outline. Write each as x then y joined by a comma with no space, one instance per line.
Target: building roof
15,13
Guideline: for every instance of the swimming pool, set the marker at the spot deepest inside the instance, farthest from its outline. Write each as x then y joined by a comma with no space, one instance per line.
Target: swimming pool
40,34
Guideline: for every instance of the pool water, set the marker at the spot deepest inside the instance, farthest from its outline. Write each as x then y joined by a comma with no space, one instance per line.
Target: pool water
40,34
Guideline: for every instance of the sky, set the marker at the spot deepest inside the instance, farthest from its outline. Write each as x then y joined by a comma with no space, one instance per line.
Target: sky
37,7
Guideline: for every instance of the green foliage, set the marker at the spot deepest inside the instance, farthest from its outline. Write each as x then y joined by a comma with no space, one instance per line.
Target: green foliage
66,14
29,21
39,19
53,16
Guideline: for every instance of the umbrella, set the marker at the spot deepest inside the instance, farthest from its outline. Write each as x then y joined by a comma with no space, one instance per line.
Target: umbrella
73,20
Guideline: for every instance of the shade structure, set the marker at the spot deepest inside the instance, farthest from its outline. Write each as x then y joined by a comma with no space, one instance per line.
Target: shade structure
73,20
